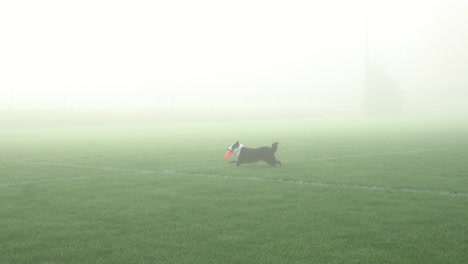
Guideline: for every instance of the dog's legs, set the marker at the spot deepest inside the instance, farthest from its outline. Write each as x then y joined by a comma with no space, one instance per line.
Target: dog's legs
275,160
236,162
272,161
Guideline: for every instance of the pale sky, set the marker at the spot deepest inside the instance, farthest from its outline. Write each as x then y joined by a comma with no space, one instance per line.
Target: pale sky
91,52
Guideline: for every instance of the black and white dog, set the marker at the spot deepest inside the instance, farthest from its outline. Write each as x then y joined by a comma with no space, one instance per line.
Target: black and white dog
250,155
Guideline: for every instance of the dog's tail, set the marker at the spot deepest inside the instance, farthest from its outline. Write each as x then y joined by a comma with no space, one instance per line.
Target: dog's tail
274,146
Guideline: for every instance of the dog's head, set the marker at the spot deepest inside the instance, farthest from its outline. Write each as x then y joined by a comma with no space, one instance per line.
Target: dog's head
233,148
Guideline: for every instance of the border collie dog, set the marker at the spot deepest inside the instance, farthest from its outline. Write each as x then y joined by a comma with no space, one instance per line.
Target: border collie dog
250,155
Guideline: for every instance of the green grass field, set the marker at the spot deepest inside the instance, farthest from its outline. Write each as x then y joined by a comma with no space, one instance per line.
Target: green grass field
348,192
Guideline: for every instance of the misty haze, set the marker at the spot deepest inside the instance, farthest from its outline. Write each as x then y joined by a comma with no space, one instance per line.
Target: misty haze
301,57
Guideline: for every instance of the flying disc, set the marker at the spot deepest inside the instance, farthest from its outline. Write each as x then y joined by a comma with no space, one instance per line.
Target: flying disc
228,154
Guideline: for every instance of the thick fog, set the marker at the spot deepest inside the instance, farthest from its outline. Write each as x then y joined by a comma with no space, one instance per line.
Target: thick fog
391,57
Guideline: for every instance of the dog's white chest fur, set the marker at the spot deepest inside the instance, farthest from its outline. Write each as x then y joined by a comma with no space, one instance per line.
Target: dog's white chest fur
238,150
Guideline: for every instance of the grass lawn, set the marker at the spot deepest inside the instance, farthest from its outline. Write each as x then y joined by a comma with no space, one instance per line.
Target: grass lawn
348,192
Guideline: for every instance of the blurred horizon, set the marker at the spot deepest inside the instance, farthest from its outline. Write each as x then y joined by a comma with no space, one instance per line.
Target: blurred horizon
317,58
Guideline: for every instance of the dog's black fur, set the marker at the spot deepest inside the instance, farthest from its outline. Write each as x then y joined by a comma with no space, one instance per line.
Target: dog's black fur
250,155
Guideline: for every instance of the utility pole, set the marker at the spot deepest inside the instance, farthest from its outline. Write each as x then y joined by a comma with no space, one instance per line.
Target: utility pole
366,85
366,45
65,103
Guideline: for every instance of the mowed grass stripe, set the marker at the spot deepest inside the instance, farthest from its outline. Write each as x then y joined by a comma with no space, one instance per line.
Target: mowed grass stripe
8,184
322,184
139,170
365,155
79,166
183,172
